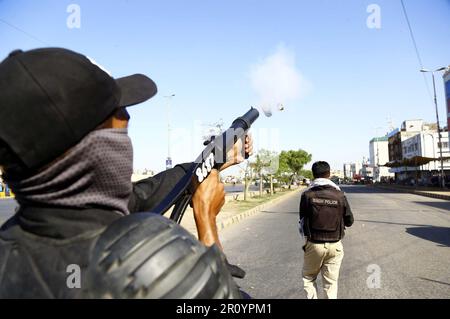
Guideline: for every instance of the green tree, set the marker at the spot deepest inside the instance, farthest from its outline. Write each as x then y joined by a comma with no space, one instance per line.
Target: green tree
291,163
306,173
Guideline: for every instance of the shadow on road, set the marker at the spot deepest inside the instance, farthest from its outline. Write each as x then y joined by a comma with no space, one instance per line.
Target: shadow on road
436,281
438,235
441,205
390,223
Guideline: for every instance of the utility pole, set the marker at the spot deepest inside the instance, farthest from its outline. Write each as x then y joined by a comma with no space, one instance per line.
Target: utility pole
376,169
169,158
437,122
439,135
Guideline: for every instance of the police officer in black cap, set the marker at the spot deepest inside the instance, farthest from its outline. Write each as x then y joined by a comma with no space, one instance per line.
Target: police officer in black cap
66,154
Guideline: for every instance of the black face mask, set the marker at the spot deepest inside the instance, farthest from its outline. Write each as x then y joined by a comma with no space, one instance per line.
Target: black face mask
96,173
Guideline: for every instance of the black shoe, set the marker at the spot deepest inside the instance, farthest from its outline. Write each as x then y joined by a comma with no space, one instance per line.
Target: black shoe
235,271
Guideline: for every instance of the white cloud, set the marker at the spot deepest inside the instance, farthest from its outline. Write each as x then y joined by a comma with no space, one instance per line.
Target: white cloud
276,80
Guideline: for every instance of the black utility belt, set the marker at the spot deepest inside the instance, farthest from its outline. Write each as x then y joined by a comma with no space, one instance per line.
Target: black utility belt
323,241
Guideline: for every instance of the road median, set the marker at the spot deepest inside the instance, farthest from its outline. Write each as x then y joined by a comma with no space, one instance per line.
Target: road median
234,212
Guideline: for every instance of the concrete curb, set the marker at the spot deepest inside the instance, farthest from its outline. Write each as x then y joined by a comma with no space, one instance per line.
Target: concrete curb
415,192
253,211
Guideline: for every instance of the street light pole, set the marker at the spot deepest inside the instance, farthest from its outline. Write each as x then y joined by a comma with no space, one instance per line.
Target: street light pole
169,159
438,126
378,179
439,134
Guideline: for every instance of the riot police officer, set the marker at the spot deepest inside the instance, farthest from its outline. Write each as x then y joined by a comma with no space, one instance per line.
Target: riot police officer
324,214
66,154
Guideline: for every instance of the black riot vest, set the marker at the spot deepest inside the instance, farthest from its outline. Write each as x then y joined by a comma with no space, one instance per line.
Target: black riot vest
324,220
142,255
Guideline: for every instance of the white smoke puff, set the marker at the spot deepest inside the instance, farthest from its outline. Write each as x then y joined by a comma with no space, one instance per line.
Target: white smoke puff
277,80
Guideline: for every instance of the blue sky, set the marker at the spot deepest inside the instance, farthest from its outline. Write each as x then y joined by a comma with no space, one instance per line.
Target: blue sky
204,51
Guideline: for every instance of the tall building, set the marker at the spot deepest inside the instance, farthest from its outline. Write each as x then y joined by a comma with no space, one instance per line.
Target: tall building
348,171
352,169
414,153
356,168
378,156
408,129
426,145
367,172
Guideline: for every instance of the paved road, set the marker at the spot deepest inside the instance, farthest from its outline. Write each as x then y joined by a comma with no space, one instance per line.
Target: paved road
239,188
7,209
405,236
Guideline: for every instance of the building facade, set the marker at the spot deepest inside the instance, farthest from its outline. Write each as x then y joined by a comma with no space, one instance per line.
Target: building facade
410,149
409,128
348,171
426,144
352,169
337,173
378,157
356,168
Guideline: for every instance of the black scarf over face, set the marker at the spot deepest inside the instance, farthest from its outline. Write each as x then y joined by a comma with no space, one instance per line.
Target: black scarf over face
96,173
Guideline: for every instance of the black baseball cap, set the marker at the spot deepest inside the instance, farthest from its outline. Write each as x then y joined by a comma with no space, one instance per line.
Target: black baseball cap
50,98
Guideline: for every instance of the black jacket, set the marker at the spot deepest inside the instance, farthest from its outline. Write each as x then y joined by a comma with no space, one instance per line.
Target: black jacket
325,212
136,256
62,223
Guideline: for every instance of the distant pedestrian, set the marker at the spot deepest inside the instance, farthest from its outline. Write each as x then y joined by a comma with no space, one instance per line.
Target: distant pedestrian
324,213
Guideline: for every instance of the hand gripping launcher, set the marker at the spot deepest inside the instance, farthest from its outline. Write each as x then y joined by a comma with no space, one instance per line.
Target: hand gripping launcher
212,157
